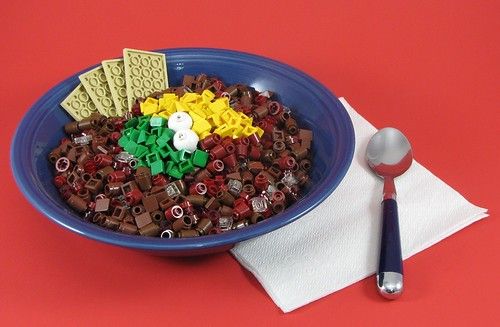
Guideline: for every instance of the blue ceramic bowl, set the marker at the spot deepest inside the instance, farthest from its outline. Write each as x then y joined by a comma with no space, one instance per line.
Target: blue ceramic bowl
315,107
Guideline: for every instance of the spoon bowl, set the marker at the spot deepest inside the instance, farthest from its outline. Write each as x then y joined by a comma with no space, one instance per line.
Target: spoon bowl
389,155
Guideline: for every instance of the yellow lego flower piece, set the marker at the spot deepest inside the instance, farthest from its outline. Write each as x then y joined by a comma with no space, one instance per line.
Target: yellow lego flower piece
179,106
194,115
237,131
151,100
170,97
207,95
171,108
259,131
234,122
149,106
201,126
164,114
248,130
199,111
215,120
203,135
245,120
224,130
226,116
190,97
167,99
219,105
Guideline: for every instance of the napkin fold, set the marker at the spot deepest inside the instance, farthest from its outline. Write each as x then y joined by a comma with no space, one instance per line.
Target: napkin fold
337,243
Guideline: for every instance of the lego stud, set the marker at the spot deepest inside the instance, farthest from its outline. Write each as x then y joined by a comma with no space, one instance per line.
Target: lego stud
174,213
168,233
62,164
215,166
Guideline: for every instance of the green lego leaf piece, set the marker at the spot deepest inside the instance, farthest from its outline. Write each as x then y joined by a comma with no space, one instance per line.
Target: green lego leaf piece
151,140
186,166
156,122
169,165
143,136
157,167
122,141
163,139
141,151
131,123
126,132
134,135
163,152
199,158
169,132
174,155
152,157
156,131
175,173
143,123
130,147
183,155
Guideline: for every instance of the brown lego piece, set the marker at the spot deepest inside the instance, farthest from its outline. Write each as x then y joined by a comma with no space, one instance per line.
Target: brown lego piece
167,203
94,185
150,203
212,204
235,175
184,233
306,137
111,223
138,210
127,228
143,219
278,135
158,217
182,223
77,203
113,189
161,196
300,153
119,212
204,226
127,187
103,172
255,167
150,229
102,205
143,178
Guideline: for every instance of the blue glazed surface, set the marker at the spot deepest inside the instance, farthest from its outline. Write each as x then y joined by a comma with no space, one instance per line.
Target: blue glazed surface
314,106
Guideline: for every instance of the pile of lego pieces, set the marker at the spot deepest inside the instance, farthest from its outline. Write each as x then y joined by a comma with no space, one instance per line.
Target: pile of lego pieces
185,161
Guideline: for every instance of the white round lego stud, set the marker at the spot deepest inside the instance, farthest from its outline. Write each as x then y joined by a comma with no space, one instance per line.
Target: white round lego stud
179,120
186,139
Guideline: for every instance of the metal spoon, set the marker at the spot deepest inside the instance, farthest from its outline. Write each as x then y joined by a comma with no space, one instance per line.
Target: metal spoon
389,155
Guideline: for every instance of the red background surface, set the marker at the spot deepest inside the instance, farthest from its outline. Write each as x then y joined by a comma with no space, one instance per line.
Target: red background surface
430,68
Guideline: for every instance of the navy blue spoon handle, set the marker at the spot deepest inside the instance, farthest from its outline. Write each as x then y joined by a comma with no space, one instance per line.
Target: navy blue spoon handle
390,268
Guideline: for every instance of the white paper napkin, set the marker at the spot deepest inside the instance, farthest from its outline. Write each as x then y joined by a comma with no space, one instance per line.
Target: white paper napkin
337,243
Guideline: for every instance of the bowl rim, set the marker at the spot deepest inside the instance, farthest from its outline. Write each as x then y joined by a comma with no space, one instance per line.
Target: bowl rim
210,241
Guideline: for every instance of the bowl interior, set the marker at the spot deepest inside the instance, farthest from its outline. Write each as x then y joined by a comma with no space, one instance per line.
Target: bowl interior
313,105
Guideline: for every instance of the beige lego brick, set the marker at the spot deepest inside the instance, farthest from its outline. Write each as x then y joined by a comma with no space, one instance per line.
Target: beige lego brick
145,73
115,74
79,104
97,87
